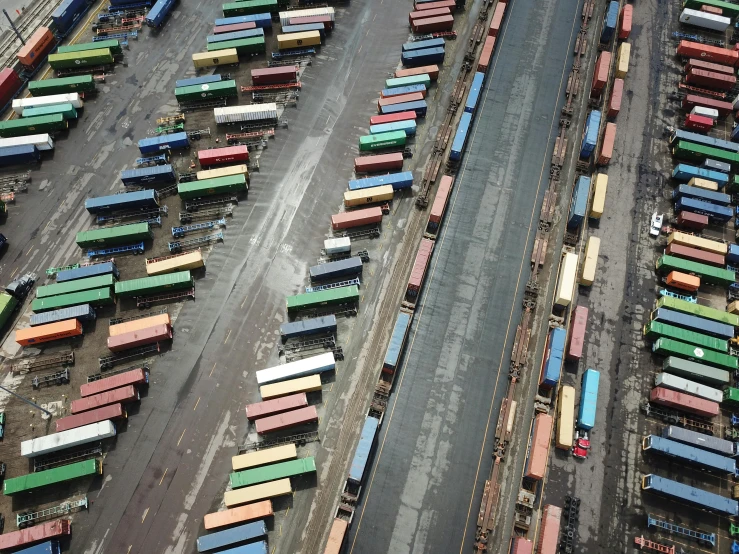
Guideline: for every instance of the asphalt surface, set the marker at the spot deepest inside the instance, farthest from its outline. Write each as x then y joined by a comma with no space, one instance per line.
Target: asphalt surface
432,456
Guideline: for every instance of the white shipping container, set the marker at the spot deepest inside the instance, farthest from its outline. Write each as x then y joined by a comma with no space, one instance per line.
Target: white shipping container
735,105
708,112
73,98
300,368
285,17
337,246
42,142
237,114
705,20
68,439
679,384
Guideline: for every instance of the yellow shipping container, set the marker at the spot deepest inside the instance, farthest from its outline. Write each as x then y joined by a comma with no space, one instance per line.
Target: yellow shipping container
591,261
686,239
599,195
368,196
178,262
263,491
703,184
565,418
212,59
264,457
733,307
564,293
223,172
622,61
298,40
310,383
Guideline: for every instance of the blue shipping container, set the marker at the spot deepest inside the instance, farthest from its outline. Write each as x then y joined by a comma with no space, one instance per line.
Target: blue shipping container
348,267
84,312
364,450
590,135
126,201
685,172
408,127
689,454
320,27
399,181
552,366
609,23
253,548
414,58
460,137
158,13
579,204
396,91
694,323
705,140
713,211
706,500
701,194
87,271
261,20
164,142
424,44
314,326
474,95
588,400
49,547
17,155
419,106
733,254
233,36
145,175
716,165
64,16
241,533
400,331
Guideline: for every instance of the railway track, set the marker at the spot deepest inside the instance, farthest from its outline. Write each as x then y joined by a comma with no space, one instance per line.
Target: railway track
39,15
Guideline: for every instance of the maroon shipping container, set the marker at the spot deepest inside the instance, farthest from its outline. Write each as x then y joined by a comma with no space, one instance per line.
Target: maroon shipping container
497,20
418,273
431,70
549,532
617,93
392,117
356,218
711,79
123,395
286,420
600,75
522,546
441,199
624,29
708,66
713,10
274,75
141,337
433,24
577,333
227,154
113,411
689,220
399,99
276,406
689,49
56,529
325,19
381,162
698,123
10,84
684,402
692,100
425,14
694,254
138,376
451,4
606,148
234,27
486,55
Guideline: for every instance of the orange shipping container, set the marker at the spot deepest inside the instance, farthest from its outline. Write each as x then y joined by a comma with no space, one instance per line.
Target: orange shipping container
624,29
600,76
617,92
431,70
49,332
713,10
142,337
497,20
36,47
549,534
537,463
336,537
606,148
427,13
399,99
683,281
138,324
242,514
487,54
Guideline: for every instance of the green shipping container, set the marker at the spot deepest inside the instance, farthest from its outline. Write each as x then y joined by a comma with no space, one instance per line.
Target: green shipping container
250,45
151,285
88,58
423,79
708,273
272,472
379,141
112,44
331,297
733,185
731,395
669,347
120,234
67,111
78,285
696,372
699,310
728,9
8,304
52,476
691,151
96,297
32,125
207,187
656,329
220,89
80,83
250,7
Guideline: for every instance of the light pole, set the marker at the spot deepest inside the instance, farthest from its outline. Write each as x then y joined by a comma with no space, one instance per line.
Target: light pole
27,401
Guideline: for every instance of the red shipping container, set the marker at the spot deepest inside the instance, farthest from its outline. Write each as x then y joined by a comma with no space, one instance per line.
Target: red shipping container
606,148
36,47
325,19
689,220
698,123
433,24
141,337
285,420
113,411
713,10
522,546
692,100
689,49
276,406
486,55
123,395
418,273
617,93
425,14
701,256
684,402
431,70
440,201
381,162
536,465
451,4
138,376
497,20
274,75
624,29
708,66
577,333
399,99
234,27
711,79
600,75
227,154
356,218
549,534
392,117
10,84
40,532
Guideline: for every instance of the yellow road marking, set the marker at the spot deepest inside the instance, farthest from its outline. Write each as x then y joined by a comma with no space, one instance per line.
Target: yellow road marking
196,404
146,512
182,435
227,336
163,474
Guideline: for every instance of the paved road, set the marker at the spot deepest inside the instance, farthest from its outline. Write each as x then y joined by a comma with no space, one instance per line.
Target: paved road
432,458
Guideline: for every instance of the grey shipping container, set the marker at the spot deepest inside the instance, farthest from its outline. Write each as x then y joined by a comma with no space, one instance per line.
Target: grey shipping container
88,271
314,326
148,175
83,312
694,323
707,500
348,267
716,165
699,440
689,454
579,206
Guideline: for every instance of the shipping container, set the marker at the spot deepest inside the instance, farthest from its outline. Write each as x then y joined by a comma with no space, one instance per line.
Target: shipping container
109,412
326,21
319,27
679,135
56,529
460,137
380,162
711,9
227,518
91,58
551,367
419,107
66,110
223,155
590,134
123,395
148,175
356,218
688,49
65,16
429,25
669,347
732,255
238,114
699,122
590,265
220,89
683,281
18,155
198,80
46,87
606,147
112,44
423,44
274,75
173,141
565,418
439,206
273,407
240,169
286,420
705,20
473,96
416,58
153,285
250,7
418,273
313,365
311,383
673,382
684,402
408,127
497,19
213,59
421,78
708,66
691,101
305,327
119,234
8,305
256,493
694,254
731,396
624,29
599,195
209,187
655,329
397,341
46,333
588,399
688,454
33,52
341,245
286,16
720,214
33,125
261,20
330,297
703,184
42,142
10,85
95,297
693,241
233,536
362,455
139,200
298,40
48,547
272,472
56,442
243,46
685,493
176,262
337,536
614,104
425,14
136,377
536,465
609,22
61,474
549,534
600,75
159,12
398,181
84,313
348,267
383,140
577,333
566,282
684,173
693,438
425,5
697,372
691,220
710,79
709,274
394,117
522,546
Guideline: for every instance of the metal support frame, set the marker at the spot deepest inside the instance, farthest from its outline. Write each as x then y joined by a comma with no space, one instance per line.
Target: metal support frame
147,301
107,362
180,245
27,519
58,378
300,439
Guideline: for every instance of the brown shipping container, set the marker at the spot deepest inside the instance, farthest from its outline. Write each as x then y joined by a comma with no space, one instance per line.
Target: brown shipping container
708,66
711,79
442,196
522,546
692,100
606,149
694,254
433,24
451,4
123,395
624,29
486,55
536,465
10,83
276,406
356,218
136,324
431,70
689,49
427,13
112,411
325,19
549,534
234,27
242,514
134,377
683,281
713,10
684,402
381,162
600,76
286,420
274,75
617,92
692,221
399,99
139,338
423,256
36,47
497,20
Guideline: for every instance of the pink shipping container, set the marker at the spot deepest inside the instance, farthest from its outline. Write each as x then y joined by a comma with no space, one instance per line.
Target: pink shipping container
10,84
392,117
712,9
708,66
486,55
113,411
689,220
356,218
692,100
606,149
497,20
399,99
711,79
549,535
381,162
441,199
418,273
138,376
451,4
688,49
123,395
617,93
276,406
234,27
325,19
227,154
425,14
698,123
684,402
293,418
431,70
139,338
536,465
274,75
600,75
56,529
433,24
700,256
577,333
624,27
522,546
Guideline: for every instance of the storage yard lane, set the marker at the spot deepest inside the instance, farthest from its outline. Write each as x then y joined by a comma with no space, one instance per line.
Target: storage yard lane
427,475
